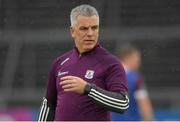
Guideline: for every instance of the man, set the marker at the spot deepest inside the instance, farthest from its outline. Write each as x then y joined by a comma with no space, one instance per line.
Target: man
86,82
140,106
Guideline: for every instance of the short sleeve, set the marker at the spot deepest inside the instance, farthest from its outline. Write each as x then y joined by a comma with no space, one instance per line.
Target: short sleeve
141,90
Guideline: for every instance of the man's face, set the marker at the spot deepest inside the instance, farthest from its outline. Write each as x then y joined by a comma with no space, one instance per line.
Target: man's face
85,32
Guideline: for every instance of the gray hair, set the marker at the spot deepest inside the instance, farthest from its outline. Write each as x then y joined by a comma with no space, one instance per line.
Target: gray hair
84,10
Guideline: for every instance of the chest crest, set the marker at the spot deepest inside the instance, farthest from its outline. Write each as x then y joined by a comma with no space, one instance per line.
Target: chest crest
89,74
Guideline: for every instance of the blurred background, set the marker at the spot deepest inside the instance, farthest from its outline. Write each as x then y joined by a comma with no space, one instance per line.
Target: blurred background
34,32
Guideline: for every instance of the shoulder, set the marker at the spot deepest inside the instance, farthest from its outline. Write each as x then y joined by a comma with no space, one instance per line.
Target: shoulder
107,57
133,74
109,62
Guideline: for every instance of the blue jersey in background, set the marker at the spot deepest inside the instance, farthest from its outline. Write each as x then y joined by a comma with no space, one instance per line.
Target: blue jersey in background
135,83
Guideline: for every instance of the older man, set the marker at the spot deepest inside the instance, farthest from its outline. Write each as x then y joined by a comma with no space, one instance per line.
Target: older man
86,82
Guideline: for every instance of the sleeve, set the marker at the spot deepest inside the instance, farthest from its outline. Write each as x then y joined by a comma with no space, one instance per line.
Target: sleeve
141,90
115,98
112,101
47,110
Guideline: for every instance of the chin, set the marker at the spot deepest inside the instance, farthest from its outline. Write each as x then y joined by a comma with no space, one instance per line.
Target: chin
89,47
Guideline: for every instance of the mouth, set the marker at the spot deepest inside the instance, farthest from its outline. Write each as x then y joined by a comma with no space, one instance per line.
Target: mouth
88,41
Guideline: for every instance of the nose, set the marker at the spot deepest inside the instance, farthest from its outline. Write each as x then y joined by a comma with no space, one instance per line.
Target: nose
90,32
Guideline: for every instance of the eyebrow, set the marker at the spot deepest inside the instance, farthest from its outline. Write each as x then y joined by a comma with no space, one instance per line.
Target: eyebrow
86,27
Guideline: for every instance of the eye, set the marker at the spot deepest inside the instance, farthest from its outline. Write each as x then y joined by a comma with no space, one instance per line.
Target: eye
95,27
83,28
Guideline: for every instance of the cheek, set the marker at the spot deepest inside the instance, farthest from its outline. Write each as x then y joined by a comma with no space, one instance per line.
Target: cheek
97,35
78,41
79,36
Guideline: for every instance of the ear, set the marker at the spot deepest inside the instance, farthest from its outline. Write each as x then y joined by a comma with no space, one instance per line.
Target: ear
72,31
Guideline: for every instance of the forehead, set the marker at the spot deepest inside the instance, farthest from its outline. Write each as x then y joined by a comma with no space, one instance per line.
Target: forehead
87,20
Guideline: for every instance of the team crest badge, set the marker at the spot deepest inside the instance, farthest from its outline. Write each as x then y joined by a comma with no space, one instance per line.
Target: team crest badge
89,74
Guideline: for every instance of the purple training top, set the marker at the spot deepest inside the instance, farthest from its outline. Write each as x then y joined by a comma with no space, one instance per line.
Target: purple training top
97,66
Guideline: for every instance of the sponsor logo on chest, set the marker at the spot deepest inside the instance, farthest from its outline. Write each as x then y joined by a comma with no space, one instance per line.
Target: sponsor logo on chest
89,74
62,73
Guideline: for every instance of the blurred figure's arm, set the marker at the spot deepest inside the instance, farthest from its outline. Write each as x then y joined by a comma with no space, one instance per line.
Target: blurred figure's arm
145,108
143,101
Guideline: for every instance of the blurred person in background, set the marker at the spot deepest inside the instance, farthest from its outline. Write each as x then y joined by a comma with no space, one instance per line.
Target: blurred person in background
87,82
139,106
